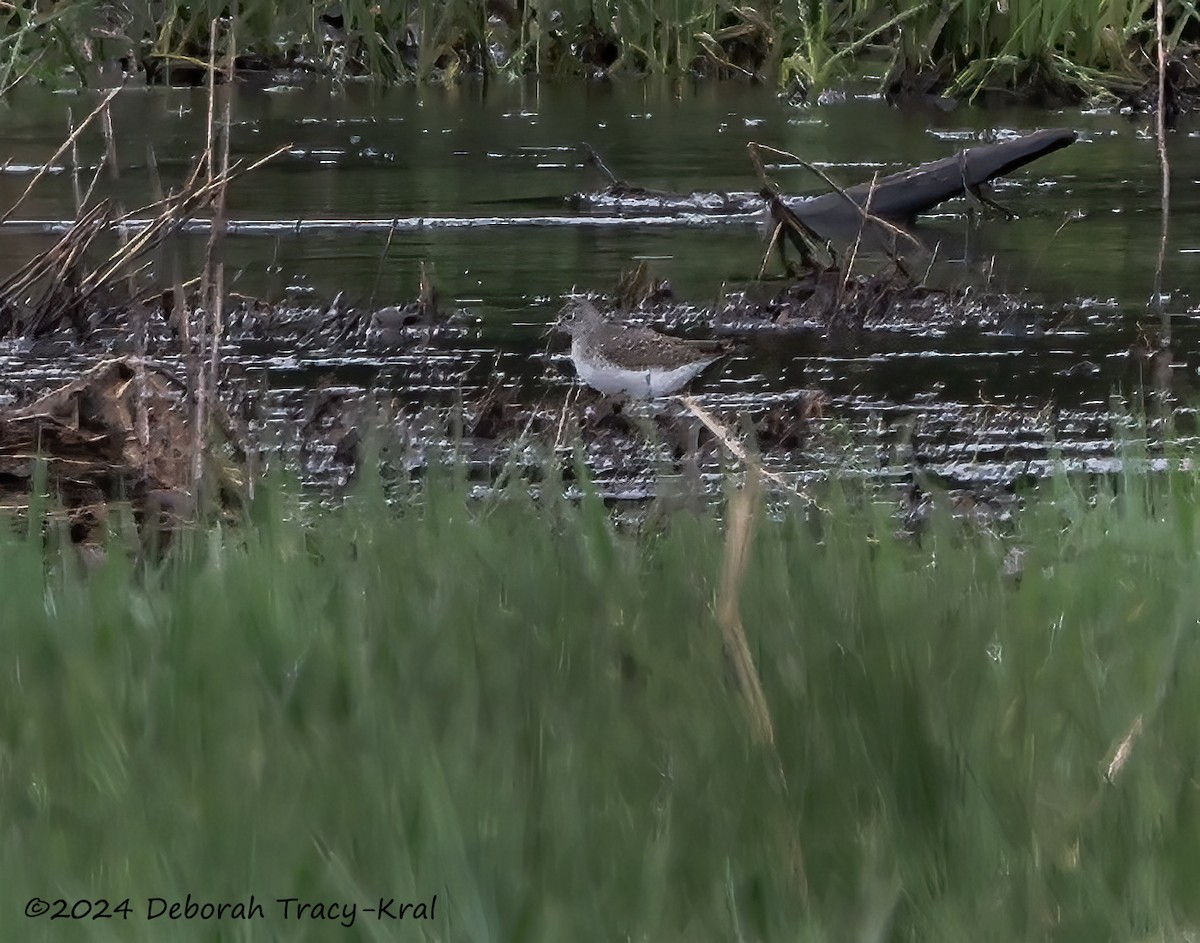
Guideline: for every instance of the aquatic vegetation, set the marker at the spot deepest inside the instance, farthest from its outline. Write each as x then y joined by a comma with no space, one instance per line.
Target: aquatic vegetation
1060,50
1047,50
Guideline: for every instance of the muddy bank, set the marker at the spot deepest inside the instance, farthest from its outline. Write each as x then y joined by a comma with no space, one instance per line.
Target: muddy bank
880,375
326,389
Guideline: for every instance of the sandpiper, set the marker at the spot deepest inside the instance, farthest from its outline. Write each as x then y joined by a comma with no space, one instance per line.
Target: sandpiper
622,360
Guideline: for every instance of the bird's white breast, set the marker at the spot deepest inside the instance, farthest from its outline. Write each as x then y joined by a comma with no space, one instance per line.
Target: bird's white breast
650,383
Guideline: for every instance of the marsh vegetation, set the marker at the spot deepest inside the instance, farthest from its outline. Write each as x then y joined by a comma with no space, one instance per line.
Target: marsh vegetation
1047,50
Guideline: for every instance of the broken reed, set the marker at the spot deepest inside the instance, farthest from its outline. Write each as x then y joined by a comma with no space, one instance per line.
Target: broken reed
1060,45
547,720
58,287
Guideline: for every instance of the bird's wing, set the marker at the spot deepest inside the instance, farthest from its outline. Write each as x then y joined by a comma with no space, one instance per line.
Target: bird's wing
649,346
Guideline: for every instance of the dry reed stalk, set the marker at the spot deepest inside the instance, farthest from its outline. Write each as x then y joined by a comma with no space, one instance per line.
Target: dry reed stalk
53,269
156,186
776,236
114,171
845,279
67,293
110,144
199,192
743,510
738,451
1161,378
78,194
141,422
191,345
194,353
212,74
48,261
174,211
110,155
62,149
1160,128
742,513
387,244
214,259
560,435
138,313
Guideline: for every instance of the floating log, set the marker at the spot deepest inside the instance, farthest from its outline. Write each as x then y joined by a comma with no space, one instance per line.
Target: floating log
901,197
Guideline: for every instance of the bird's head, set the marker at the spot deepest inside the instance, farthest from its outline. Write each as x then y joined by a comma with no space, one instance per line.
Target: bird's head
578,317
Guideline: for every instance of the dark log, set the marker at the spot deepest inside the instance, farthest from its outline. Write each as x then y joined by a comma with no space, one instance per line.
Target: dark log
901,197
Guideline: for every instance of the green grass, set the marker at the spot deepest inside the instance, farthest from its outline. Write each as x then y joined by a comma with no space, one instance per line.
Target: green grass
525,709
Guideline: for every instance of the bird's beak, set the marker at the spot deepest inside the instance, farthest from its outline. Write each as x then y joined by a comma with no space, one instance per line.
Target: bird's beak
558,325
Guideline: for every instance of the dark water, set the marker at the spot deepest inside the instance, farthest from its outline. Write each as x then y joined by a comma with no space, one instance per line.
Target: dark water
476,187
